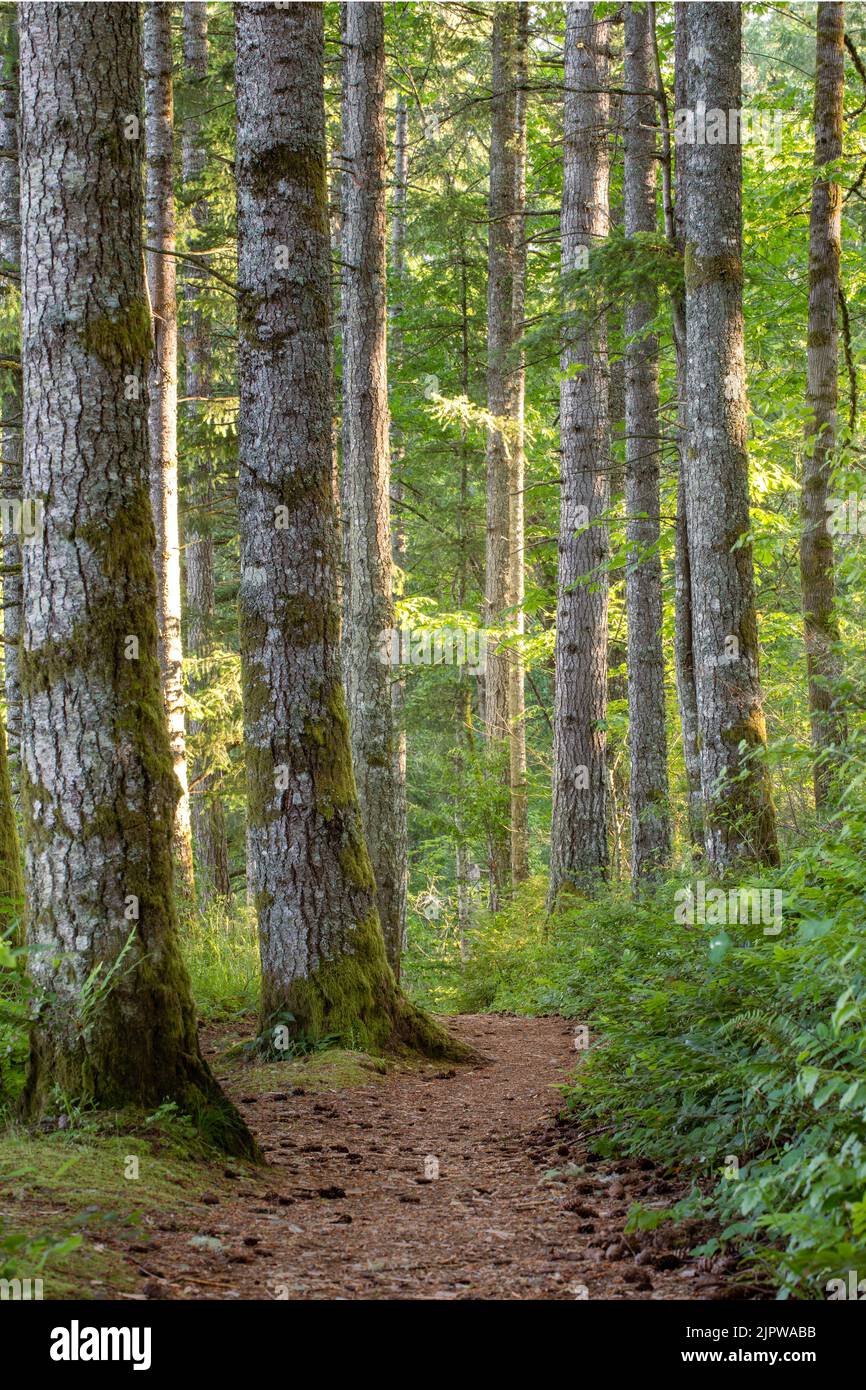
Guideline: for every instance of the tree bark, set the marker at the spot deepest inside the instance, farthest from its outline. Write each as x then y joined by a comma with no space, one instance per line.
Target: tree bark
684,662
739,815
822,394
517,527
11,877
116,1023
398,529
12,408
161,277
578,849
323,954
502,404
648,779
208,817
366,466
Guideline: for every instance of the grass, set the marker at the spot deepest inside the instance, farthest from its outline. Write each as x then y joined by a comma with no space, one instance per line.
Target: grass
222,955
72,1196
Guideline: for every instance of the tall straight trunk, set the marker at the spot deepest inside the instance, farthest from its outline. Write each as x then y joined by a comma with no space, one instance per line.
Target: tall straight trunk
684,661
502,384
208,817
578,842
822,392
517,527
10,403
398,529
161,278
648,778
323,955
369,604
117,1024
463,725
740,821
11,880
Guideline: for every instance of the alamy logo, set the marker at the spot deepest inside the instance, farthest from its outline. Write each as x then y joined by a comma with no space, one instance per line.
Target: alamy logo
17,1289
442,646
738,126
76,1343
851,1288
720,907
21,517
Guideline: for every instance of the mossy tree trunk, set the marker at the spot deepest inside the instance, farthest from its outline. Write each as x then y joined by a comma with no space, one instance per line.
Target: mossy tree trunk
162,282
116,1023
208,817
369,604
684,656
648,776
816,541
10,435
739,816
578,845
11,877
323,954
399,540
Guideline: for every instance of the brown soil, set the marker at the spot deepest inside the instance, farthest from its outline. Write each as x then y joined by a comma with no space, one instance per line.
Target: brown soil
351,1207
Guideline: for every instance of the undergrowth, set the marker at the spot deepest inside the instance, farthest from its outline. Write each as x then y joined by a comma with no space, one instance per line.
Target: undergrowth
732,1056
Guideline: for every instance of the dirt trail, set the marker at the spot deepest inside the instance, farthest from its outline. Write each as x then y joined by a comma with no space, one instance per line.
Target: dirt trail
351,1206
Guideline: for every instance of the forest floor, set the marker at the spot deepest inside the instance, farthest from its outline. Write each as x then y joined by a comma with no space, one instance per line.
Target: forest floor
351,1206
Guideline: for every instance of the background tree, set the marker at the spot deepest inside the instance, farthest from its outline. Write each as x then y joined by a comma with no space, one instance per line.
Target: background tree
684,658
822,396
161,278
738,808
369,607
517,482
578,837
207,813
503,405
648,777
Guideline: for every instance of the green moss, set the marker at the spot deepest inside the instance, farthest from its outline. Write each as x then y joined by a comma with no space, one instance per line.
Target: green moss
330,758
11,876
354,997
707,270
306,170
75,1181
122,339
83,1058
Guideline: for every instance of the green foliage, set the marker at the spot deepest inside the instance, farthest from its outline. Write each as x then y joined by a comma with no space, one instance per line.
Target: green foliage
712,1044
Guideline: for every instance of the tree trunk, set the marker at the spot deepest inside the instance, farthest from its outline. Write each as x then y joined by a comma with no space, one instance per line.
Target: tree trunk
10,437
648,776
117,1024
502,383
11,878
208,816
160,234
684,661
739,816
816,541
369,606
398,529
517,528
578,848
323,955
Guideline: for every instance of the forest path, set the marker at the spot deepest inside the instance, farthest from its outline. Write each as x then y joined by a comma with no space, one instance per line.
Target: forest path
346,1210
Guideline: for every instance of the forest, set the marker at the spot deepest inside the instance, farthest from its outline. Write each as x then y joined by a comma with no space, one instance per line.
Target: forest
432,734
